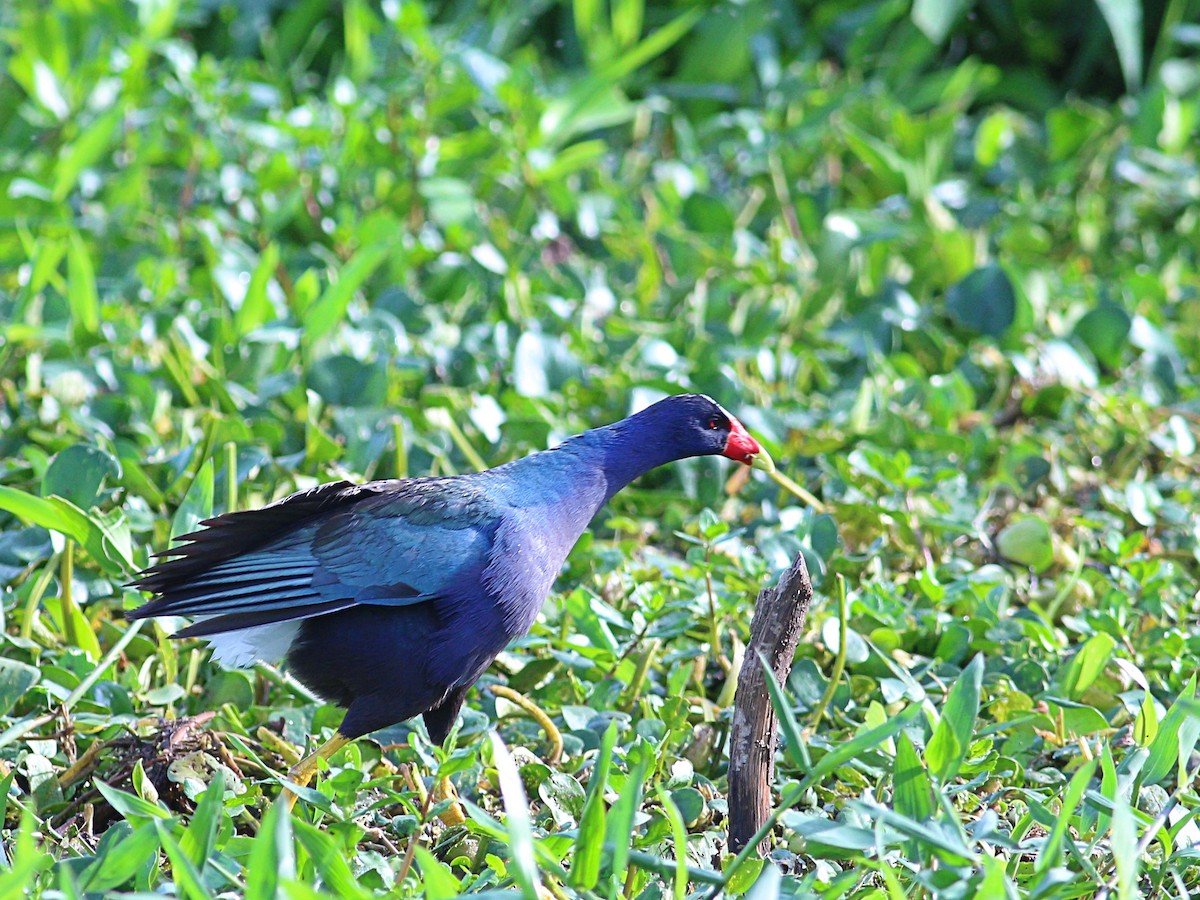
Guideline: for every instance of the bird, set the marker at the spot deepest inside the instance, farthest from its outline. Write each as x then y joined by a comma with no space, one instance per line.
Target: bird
391,598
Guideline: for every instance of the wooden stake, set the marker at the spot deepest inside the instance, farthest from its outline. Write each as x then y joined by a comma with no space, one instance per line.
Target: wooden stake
774,633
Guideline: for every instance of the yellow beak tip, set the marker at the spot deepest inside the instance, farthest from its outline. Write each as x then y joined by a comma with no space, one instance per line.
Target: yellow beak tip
762,460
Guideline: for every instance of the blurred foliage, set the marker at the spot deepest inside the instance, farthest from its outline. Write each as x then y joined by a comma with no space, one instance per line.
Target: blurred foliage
940,257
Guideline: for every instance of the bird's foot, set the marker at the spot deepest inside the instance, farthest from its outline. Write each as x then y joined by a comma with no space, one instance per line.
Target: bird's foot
303,772
453,814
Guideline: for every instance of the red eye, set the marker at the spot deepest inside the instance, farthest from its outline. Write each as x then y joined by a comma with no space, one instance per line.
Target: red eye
713,423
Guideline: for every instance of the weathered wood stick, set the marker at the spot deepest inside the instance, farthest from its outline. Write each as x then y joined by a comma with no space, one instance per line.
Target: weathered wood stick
774,633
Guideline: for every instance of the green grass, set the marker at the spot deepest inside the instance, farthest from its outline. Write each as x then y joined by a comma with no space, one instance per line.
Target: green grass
952,284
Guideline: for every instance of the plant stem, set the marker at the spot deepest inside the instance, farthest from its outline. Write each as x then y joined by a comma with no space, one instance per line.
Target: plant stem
839,661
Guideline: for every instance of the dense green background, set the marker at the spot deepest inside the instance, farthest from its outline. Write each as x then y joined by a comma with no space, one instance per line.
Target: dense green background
941,257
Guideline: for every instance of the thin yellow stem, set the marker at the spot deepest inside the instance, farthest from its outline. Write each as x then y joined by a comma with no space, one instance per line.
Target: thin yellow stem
69,610
35,597
536,713
231,484
788,485
839,661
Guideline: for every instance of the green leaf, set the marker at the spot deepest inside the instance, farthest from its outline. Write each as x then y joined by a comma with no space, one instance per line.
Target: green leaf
1088,664
913,791
67,519
328,859
81,288
197,841
1027,542
1124,18
330,307
1164,749
563,796
1145,727
62,517
858,745
256,309
272,859
952,736
15,679
826,837
745,876
1105,331
983,302
1076,718
183,870
84,151
77,474
130,806
118,860
1125,848
620,832
439,882
936,17
585,870
1050,854
594,100
516,818
679,840
197,503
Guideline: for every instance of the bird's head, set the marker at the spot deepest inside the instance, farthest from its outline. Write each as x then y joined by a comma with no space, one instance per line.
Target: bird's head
705,428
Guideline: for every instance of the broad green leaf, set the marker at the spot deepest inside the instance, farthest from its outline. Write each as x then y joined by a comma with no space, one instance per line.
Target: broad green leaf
1179,722
913,791
946,841
1145,727
983,302
595,100
936,17
118,860
62,517
197,503
745,876
846,751
1124,18
15,679
439,882
328,860
67,519
1027,542
827,837
1105,331
1088,664
77,474
84,151
952,736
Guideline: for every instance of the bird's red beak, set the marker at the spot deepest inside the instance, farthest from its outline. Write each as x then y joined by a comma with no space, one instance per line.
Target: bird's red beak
746,449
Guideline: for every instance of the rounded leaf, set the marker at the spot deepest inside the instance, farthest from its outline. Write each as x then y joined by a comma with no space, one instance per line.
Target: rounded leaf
1027,542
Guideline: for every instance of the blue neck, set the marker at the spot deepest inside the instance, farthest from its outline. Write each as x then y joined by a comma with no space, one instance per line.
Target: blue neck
625,450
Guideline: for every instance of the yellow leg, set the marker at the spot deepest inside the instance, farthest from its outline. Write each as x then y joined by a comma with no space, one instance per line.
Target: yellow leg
302,772
454,814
